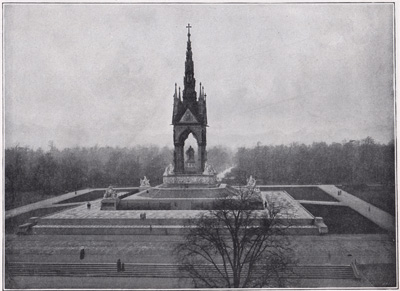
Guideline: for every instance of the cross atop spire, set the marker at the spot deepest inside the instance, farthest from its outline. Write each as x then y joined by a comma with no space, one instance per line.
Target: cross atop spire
188,27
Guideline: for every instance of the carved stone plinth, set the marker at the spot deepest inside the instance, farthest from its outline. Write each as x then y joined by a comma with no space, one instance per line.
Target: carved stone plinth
109,203
319,222
190,180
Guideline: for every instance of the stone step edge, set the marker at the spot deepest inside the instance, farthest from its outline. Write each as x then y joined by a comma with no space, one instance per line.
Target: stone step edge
326,266
349,277
137,226
177,275
127,270
150,265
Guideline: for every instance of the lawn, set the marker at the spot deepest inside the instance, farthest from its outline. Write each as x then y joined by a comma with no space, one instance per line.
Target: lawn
94,195
25,198
343,220
382,197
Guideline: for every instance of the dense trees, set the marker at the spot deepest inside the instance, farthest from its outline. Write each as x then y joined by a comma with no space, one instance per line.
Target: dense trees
220,157
353,162
57,171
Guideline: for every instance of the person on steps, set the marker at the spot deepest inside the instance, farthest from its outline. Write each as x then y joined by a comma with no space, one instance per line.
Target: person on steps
118,265
82,253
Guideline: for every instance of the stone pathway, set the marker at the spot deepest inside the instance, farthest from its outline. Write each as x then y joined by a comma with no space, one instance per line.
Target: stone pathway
327,249
373,213
290,206
321,202
49,202
294,209
45,203
287,186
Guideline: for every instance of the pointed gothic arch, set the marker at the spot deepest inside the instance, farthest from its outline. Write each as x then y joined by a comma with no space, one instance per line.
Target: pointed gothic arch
185,134
181,133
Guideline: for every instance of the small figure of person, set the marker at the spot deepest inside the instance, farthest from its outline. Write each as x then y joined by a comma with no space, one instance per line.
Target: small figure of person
369,208
88,205
75,192
118,265
123,267
144,215
151,228
82,253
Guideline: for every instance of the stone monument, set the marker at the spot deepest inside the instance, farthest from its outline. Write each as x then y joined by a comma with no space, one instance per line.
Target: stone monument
189,183
144,183
110,199
189,117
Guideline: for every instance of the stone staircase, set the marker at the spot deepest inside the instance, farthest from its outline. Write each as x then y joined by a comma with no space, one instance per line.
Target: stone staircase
158,270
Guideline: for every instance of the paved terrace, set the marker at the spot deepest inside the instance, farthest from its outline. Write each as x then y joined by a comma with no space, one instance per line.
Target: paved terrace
378,216
279,198
51,201
282,199
373,213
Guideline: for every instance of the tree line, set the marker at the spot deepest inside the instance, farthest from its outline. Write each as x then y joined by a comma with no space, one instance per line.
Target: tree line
56,171
353,162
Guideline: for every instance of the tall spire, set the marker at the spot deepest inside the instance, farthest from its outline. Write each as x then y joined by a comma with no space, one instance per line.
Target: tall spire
189,27
189,93
176,92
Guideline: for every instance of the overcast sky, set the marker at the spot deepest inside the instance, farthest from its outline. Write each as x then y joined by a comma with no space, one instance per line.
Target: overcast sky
81,75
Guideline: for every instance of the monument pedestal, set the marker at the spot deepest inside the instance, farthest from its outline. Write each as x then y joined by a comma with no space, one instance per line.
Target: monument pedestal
109,204
189,180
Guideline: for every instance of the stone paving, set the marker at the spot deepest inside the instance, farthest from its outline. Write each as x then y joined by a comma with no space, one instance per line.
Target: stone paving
44,203
278,198
49,202
333,203
327,249
373,213
290,207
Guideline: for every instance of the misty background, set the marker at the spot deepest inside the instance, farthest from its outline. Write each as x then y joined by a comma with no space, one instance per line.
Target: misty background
104,74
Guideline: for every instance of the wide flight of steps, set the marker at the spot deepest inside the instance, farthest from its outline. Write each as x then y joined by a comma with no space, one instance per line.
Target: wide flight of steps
157,270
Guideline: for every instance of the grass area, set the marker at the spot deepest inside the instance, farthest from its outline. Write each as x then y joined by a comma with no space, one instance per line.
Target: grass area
25,198
303,193
382,197
11,224
94,195
380,275
343,220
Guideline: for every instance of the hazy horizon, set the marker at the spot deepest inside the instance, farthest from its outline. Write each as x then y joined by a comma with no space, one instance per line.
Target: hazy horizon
97,74
192,143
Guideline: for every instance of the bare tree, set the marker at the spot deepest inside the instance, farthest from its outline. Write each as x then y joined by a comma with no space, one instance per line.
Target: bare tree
240,243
